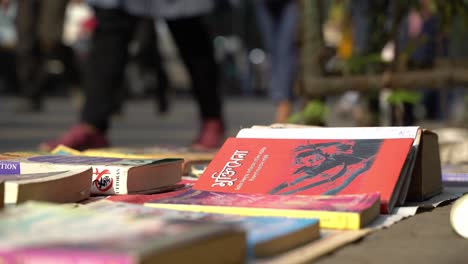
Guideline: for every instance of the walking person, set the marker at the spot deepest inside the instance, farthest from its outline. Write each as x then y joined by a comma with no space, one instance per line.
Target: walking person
39,25
278,22
116,20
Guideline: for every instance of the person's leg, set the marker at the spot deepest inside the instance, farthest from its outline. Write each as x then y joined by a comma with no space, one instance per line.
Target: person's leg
51,19
197,52
27,54
50,32
102,80
106,62
39,30
360,19
151,61
284,61
266,25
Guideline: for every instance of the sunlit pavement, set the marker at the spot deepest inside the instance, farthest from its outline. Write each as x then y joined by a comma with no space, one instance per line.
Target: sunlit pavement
138,125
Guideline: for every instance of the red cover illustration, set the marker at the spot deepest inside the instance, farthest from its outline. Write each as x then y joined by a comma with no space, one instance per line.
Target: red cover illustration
307,167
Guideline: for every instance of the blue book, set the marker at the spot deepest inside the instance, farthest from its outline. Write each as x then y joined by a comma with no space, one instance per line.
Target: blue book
455,175
266,236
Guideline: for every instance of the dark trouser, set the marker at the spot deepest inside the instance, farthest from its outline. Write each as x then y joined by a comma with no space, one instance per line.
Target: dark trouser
197,52
39,29
104,68
108,57
150,60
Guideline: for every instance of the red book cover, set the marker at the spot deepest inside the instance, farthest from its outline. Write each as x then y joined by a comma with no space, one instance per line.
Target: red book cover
308,167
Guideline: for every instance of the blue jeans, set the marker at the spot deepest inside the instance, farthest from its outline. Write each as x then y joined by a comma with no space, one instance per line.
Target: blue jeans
361,24
279,36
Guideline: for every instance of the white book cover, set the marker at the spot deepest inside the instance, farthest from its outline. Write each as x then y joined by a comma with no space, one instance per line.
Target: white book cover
331,132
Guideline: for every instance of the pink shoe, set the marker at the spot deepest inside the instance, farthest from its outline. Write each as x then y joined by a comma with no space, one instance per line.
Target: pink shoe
79,137
211,135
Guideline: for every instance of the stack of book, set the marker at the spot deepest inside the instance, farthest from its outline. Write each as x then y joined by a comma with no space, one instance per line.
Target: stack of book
266,193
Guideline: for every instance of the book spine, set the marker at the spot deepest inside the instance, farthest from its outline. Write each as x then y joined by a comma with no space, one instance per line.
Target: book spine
62,256
328,219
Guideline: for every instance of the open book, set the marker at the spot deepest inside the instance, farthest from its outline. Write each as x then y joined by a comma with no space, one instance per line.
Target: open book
328,161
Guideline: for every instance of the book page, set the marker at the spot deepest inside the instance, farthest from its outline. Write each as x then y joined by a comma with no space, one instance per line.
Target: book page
330,132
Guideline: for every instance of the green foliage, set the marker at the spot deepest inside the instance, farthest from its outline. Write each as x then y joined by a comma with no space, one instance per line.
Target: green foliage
448,9
371,63
404,96
314,113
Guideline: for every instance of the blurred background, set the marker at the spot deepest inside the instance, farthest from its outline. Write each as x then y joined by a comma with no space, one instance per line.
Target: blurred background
238,49
360,63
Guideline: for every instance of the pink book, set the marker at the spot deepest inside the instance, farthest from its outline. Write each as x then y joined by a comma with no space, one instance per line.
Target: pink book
336,211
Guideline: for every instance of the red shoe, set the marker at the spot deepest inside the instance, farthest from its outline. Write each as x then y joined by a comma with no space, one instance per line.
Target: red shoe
211,135
79,137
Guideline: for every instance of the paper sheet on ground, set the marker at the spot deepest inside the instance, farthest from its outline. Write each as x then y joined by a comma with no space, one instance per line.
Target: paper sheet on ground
410,209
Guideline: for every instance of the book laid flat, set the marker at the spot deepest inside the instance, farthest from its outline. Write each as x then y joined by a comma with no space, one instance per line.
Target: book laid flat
455,174
192,159
423,163
335,212
110,175
20,154
51,233
266,236
309,167
55,186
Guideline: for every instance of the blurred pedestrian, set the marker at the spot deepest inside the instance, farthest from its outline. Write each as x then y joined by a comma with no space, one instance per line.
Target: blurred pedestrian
419,32
278,22
39,25
116,21
150,62
423,32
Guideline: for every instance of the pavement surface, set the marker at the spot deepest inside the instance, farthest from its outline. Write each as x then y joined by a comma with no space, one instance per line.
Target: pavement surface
425,238
137,125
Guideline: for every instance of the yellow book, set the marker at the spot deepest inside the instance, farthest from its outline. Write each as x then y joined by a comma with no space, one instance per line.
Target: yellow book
20,154
334,212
